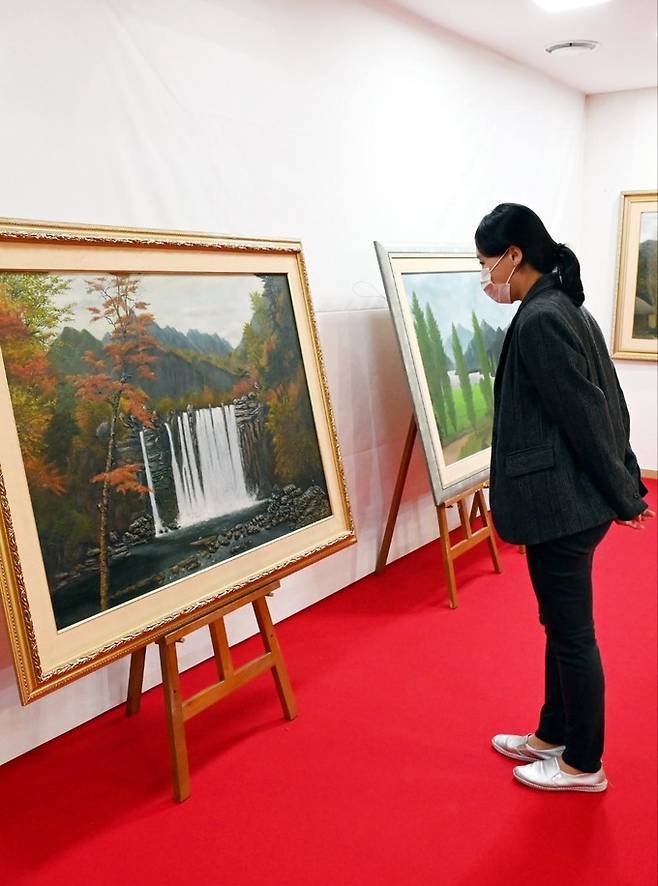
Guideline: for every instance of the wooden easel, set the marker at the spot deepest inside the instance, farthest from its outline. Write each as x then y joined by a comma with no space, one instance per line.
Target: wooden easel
449,552
178,709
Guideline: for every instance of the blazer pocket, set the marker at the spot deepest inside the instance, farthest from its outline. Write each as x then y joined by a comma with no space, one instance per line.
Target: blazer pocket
526,461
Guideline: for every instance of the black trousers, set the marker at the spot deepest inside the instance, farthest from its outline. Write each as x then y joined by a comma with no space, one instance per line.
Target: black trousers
573,711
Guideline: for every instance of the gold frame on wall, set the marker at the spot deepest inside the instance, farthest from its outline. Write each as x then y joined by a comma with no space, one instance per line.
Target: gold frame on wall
625,345
46,658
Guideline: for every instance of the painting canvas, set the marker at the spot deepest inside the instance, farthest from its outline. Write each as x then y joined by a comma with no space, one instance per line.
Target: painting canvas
451,335
170,435
636,311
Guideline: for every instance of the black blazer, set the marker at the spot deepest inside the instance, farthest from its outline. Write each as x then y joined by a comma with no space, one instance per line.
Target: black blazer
561,460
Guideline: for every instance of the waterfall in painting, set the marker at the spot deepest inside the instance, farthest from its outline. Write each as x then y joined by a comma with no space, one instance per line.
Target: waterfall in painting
206,465
157,522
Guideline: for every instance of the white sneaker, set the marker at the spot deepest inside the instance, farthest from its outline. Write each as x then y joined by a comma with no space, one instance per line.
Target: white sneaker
546,775
517,747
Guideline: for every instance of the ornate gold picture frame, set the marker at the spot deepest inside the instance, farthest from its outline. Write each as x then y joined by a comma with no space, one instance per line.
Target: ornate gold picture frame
167,436
635,332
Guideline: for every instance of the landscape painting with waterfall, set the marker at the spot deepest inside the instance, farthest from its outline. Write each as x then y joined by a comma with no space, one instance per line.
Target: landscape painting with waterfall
165,425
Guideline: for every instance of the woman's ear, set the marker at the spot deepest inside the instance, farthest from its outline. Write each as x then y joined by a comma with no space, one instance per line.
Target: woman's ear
516,254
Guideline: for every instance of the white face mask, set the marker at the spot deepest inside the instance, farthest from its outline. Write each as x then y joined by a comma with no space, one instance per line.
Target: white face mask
499,292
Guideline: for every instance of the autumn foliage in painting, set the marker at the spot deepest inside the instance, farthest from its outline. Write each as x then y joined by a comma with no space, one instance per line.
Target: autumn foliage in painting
27,323
114,382
270,355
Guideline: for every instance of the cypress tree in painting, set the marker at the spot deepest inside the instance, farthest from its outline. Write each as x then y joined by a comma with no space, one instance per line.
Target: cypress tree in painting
464,379
432,372
485,366
442,363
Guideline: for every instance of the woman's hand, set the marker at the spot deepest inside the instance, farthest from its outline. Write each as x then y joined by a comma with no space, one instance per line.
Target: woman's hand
639,521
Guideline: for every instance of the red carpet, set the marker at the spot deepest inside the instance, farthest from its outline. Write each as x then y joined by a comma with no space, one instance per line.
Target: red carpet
387,776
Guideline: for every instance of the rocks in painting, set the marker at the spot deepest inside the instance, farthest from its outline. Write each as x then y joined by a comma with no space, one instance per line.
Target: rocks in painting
237,539
119,552
255,446
140,530
86,566
210,542
240,542
281,506
288,505
295,507
313,505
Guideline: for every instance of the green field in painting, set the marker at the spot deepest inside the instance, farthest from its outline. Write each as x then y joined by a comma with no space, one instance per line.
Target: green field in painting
481,411
475,441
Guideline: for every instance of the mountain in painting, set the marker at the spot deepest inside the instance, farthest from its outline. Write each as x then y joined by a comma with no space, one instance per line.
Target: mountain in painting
183,367
197,342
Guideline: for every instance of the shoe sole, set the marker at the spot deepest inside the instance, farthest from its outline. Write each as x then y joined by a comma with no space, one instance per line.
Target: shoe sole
585,788
514,756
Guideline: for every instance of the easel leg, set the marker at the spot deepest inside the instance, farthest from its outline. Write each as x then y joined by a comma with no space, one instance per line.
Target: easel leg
221,649
135,681
474,510
279,671
446,553
397,496
464,518
175,723
491,541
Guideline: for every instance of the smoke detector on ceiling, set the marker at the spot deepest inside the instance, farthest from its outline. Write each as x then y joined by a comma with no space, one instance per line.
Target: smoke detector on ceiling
572,47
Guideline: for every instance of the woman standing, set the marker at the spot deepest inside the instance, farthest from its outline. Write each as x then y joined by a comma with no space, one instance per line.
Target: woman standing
562,470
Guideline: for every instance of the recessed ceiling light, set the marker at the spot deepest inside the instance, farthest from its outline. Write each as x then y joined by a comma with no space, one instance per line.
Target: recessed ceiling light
567,5
572,47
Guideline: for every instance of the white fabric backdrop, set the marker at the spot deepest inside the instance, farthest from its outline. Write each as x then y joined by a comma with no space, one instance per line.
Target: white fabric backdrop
621,152
336,121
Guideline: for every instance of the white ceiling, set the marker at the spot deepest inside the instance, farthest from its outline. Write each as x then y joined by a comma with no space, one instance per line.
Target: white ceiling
520,29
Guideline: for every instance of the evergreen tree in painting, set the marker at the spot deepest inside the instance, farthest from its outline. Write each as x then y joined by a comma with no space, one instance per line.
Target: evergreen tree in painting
443,365
432,372
464,380
485,366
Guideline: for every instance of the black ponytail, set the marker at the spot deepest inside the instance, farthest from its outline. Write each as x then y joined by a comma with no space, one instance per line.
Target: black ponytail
511,224
568,268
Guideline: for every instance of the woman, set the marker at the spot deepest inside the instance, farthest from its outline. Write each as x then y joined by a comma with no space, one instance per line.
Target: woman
562,470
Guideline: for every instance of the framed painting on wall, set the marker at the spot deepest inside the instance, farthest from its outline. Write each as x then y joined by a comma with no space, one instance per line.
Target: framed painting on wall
450,335
167,436
635,334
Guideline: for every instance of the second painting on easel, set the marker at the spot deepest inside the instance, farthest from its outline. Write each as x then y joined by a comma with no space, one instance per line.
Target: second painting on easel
450,336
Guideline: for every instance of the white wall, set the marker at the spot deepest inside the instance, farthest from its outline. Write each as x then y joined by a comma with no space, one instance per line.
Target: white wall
339,122
620,155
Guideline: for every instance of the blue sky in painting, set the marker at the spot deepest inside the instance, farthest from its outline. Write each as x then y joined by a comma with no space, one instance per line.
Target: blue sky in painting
212,303
453,296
